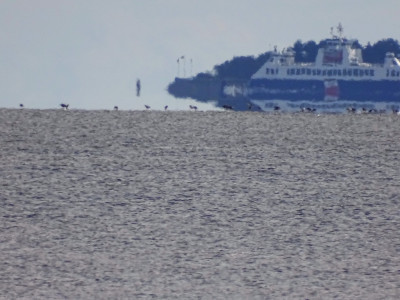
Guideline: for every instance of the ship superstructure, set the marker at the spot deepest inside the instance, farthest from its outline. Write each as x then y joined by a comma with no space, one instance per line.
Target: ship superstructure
338,75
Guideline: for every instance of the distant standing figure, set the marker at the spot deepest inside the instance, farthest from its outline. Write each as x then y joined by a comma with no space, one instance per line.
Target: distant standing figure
21,105
115,107
138,87
165,107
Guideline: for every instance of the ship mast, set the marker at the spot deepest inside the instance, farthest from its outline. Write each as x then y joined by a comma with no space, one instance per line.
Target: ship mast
340,30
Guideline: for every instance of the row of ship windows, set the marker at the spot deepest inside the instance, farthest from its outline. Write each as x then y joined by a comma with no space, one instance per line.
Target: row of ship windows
334,72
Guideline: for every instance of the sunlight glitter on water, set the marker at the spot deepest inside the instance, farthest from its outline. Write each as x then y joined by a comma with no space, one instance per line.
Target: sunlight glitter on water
129,204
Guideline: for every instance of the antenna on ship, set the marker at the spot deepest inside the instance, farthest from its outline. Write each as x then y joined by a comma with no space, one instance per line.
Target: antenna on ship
340,30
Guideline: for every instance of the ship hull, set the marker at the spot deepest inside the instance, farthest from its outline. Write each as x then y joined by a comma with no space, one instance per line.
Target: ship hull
317,90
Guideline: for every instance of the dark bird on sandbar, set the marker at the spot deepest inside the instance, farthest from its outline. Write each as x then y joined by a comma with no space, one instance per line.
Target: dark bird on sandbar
351,110
115,107
64,106
147,107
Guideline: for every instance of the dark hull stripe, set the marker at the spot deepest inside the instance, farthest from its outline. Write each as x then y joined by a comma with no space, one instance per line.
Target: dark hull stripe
368,90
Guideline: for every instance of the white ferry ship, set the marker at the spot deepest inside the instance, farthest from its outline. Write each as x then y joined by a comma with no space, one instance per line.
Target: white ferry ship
336,80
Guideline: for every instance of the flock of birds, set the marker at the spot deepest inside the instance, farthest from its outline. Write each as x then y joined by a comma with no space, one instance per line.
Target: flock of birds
192,107
350,110
363,110
66,106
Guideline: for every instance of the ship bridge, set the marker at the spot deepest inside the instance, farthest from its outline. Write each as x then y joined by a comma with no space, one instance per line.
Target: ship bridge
339,51
285,58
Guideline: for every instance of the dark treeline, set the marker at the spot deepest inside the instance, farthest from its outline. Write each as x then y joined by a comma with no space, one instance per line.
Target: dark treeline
376,53
242,67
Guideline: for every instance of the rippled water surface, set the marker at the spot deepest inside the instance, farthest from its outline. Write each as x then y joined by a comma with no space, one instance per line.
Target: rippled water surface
212,205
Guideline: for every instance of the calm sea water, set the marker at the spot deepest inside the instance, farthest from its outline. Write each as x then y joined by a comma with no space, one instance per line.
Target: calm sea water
210,205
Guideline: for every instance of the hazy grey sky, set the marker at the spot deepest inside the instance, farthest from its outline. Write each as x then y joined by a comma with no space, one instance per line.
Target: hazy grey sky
89,53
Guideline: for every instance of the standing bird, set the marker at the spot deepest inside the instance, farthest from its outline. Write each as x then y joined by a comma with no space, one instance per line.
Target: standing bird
351,110
64,106
147,107
165,107
115,107
21,105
